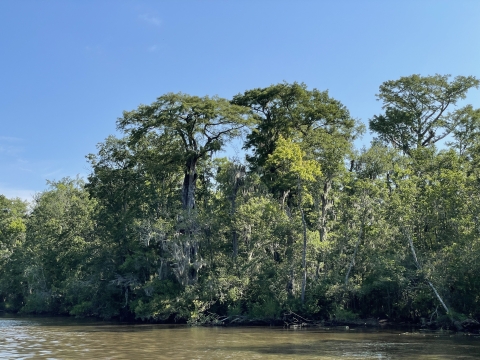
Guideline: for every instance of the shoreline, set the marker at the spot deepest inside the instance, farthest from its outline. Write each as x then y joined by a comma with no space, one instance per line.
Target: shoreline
290,321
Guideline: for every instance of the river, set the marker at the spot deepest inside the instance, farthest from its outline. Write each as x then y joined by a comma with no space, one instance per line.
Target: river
64,338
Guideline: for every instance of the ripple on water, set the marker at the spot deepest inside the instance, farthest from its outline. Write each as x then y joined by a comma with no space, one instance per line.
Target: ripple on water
61,339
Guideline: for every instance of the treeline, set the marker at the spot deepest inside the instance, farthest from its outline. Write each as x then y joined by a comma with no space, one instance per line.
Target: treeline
163,230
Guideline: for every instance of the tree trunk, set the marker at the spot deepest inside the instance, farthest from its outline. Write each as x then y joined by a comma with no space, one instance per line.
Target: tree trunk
190,246
235,244
419,267
290,258
238,174
352,262
322,222
189,182
289,250
326,204
304,254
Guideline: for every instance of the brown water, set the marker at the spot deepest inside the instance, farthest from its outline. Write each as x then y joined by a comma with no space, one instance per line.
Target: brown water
58,338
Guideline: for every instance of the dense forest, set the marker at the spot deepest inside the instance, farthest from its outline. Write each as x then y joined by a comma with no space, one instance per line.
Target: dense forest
163,229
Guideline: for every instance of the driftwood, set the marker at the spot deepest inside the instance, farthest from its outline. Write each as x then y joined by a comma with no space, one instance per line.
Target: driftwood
293,320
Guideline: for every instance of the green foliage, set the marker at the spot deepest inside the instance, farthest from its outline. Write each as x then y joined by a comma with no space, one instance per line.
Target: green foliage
162,303
268,309
341,314
416,109
12,224
163,231
197,126
291,111
291,165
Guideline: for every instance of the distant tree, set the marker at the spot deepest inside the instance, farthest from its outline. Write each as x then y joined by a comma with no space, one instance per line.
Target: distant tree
294,168
59,239
201,124
13,216
12,224
467,133
416,109
291,111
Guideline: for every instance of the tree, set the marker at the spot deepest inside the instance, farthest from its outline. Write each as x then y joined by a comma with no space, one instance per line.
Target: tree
431,209
330,149
13,216
60,237
201,124
291,111
12,224
467,133
416,109
230,178
294,168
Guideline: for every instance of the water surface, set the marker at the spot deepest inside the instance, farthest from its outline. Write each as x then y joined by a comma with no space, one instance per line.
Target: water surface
60,338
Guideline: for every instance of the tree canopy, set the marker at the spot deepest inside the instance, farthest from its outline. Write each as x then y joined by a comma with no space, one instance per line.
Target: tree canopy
305,227
416,109
200,125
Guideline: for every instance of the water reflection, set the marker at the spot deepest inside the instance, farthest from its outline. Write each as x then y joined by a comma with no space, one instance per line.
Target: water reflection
59,338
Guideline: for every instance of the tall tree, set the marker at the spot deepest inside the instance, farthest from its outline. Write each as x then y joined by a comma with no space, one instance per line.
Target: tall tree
230,177
416,109
467,133
13,216
12,224
294,168
291,111
60,236
202,125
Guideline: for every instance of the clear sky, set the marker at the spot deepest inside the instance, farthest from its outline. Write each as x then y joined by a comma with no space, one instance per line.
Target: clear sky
69,68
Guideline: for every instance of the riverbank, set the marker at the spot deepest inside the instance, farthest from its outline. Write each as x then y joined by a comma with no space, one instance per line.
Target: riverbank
289,320
295,321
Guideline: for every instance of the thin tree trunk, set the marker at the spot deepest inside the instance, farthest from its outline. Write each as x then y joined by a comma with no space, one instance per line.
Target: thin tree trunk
322,223
290,258
289,250
234,232
419,267
238,173
235,244
325,206
304,255
352,262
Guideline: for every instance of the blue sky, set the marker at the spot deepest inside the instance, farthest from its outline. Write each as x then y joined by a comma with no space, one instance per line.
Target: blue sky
69,68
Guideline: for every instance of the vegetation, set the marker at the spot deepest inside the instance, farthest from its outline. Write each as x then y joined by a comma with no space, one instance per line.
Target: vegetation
162,230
